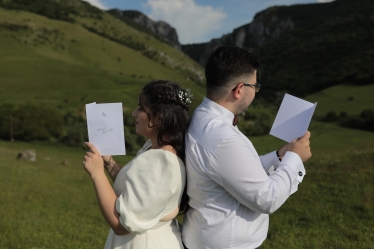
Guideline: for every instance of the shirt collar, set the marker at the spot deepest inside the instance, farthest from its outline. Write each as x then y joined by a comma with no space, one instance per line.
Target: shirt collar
226,115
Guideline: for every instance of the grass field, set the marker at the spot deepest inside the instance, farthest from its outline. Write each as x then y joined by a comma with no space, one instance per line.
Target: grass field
344,98
48,204
52,204
334,206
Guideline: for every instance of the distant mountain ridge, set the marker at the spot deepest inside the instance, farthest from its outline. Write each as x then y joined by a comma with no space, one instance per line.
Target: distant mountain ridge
305,48
271,23
302,48
267,25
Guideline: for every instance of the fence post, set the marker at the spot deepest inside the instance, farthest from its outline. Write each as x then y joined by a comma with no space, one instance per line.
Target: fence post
11,128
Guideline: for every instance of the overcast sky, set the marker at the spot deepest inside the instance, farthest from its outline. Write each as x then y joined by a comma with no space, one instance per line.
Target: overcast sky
199,21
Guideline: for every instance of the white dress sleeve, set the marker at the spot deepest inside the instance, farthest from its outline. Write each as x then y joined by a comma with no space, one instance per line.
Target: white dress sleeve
151,182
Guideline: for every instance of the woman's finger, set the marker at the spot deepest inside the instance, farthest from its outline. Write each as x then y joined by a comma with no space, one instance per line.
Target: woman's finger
89,154
92,148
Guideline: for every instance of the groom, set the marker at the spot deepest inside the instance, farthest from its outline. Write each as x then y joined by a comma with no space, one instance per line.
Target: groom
231,189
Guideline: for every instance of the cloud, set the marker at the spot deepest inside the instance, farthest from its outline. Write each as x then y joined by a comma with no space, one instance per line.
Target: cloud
324,1
194,23
97,3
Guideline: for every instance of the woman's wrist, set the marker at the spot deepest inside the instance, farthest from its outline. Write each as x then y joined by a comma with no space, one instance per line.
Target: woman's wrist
109,164
97,174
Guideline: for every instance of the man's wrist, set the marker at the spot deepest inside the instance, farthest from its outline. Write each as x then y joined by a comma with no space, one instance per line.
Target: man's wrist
279,157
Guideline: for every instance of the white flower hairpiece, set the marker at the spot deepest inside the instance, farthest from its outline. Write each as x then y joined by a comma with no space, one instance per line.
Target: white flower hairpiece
185,97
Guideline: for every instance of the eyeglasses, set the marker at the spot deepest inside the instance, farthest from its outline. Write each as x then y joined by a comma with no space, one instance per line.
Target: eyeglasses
257,86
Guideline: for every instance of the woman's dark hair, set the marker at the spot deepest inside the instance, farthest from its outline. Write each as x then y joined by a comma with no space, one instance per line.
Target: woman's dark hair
170,104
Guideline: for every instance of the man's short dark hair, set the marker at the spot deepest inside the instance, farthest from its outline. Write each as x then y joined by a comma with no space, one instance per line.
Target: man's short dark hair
226,63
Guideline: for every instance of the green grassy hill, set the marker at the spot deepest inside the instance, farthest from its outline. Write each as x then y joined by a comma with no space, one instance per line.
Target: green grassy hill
344,98
62,55
67,64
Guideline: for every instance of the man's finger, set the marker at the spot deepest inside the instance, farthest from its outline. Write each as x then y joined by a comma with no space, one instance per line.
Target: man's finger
92,148
306,136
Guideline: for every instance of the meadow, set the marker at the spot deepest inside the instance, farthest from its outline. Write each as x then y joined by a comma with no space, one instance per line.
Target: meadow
50,203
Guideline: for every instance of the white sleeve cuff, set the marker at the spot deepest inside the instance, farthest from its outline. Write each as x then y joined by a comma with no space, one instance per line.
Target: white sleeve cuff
269,160
293,160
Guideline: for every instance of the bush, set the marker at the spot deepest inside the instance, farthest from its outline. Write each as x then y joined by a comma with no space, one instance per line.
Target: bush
75,130
30,122
133,141
353,122
331,117
365,121
367,114
256,122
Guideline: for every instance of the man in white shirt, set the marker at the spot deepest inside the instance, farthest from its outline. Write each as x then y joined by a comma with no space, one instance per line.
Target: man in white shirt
230,187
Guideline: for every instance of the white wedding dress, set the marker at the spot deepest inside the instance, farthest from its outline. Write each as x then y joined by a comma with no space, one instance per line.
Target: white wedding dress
148,188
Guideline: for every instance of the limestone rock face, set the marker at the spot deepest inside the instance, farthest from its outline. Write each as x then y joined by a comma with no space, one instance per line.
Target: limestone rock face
161,29
168,33
27,155
266,26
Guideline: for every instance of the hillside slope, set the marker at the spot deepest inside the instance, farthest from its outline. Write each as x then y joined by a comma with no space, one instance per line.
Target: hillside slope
69,59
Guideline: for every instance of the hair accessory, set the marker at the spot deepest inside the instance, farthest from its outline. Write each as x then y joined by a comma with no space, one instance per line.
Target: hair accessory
185,97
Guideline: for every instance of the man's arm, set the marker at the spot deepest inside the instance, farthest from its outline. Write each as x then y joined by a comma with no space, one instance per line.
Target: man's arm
299,146
238,169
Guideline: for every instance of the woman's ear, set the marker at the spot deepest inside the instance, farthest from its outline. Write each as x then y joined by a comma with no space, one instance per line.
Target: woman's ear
157,120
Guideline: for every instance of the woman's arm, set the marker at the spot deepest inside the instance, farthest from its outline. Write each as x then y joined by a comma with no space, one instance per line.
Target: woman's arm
93,163
107,202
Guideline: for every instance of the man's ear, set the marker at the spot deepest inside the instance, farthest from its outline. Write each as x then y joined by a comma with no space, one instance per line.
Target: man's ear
237,91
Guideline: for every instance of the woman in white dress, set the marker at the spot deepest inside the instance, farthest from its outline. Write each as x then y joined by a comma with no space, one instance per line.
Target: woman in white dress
148,192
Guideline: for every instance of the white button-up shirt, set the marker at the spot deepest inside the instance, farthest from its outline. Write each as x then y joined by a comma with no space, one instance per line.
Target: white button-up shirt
231,190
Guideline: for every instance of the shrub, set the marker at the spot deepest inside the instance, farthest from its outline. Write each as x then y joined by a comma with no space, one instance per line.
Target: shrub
74,131
367,114
331,117
30,122
256,122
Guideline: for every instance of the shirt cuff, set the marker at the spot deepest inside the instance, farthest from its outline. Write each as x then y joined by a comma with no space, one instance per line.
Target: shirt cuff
275,159
269,160
293,160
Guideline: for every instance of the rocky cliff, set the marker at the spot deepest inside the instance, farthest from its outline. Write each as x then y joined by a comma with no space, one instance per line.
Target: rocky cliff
266,26
160,29
307,47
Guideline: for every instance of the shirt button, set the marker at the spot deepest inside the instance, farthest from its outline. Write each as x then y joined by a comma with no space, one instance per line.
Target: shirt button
300,173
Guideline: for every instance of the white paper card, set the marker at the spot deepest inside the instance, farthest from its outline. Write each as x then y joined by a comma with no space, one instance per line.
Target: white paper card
293,118
105,128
